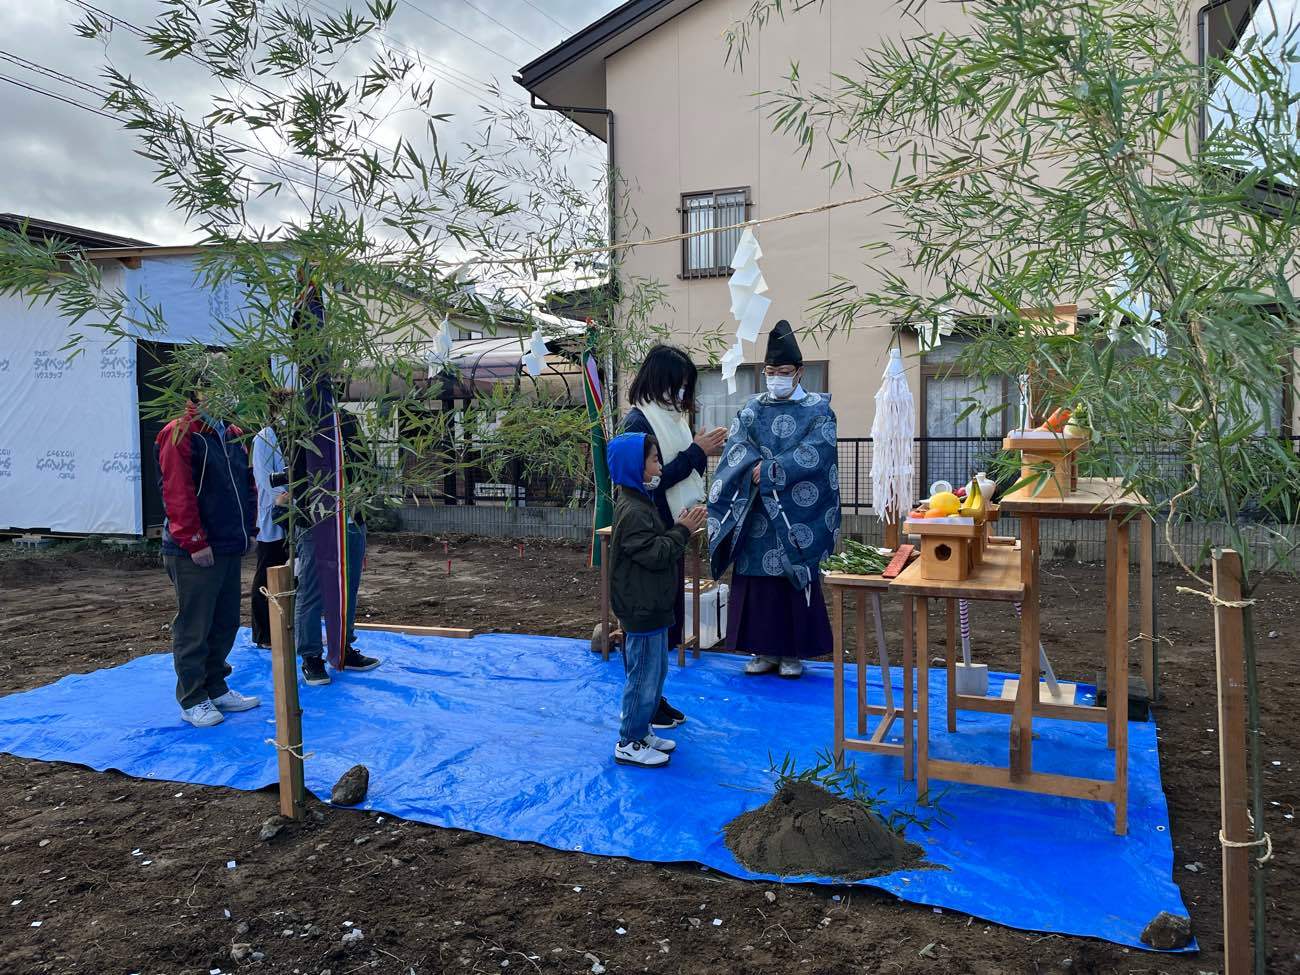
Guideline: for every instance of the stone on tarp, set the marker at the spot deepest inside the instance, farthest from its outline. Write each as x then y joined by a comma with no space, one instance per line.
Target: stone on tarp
1168,932
352,787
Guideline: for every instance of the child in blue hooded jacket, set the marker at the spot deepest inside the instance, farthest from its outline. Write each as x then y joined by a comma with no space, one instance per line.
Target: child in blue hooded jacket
644,553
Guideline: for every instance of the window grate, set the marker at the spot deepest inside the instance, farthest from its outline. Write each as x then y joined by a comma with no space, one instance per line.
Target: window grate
709,255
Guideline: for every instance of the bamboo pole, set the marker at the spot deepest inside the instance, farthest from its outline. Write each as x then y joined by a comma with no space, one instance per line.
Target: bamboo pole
284,673
1229,642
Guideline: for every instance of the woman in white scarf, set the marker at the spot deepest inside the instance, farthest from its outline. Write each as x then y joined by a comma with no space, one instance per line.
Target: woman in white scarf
663,400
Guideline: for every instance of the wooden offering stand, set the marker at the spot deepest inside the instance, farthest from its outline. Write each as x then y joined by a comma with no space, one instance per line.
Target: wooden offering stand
1007,574
1057,451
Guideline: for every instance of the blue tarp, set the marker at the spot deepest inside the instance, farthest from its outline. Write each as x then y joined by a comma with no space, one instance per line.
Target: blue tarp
513,736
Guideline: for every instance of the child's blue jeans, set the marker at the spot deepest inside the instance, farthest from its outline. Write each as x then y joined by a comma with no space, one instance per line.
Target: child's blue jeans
647,669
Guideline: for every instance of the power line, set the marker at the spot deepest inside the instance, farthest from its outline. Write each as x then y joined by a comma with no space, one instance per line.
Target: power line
443,23
280,175
141,32
68,79
450,79
504,27
563,27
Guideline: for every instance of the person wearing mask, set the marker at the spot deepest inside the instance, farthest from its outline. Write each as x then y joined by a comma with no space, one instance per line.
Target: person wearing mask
272,549
662,400
774,515
644,552
210,504
308,607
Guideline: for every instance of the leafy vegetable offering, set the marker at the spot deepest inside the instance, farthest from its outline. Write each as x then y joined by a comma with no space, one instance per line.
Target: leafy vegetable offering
859,559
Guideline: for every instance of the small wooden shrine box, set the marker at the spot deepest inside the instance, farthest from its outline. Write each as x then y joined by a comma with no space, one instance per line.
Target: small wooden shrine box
1058,451
948,550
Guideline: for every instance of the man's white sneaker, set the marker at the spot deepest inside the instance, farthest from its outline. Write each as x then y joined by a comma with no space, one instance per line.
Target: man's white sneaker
639,753
659,744
234,701
762,665
791,667
202,715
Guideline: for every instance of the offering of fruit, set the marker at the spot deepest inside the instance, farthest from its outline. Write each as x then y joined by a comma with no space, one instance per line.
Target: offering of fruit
974,505
944,504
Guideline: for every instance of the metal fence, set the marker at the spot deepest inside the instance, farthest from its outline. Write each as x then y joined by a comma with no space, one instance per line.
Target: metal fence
952,459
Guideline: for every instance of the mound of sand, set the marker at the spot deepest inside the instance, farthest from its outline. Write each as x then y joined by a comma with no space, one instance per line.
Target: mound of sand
805,830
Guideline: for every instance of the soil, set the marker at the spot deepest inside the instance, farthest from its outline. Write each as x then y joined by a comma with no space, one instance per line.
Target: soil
804,830
437,900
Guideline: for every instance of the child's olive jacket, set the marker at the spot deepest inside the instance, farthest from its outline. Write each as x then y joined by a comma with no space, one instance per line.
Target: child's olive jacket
644,552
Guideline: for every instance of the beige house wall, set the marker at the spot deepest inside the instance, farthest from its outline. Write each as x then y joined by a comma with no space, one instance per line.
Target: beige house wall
686,122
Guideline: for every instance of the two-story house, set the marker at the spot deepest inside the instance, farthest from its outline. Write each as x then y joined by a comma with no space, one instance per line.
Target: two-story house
689,135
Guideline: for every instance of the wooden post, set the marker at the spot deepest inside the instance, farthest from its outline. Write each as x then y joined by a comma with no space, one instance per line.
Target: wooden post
1112,534
1147,602
837,643
1229,642
1022,716
922,700
909,621
1121,667
284,673
860,657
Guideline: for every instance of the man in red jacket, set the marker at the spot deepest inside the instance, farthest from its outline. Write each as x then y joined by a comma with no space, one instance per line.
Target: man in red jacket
210,500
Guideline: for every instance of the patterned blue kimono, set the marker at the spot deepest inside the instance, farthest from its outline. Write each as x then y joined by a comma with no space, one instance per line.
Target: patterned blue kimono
790,521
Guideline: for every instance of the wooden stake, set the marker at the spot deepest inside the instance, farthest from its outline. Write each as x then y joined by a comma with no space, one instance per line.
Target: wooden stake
1229,642
892,537
284,672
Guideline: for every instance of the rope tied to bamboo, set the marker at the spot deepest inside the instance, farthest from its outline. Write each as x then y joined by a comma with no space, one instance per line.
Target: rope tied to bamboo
1265,841
1216,600
297,752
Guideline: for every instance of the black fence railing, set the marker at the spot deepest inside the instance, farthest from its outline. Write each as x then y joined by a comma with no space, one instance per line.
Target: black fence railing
952,459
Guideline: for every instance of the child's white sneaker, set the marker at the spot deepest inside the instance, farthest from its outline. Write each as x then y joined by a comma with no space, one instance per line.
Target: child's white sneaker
202,715
639,753
659,744
762,665
791,667
234,701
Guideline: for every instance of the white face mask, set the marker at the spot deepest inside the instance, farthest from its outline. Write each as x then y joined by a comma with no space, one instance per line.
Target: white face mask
782,387
681,396
653,483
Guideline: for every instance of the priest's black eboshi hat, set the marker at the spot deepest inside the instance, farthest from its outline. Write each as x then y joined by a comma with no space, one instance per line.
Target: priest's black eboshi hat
782,349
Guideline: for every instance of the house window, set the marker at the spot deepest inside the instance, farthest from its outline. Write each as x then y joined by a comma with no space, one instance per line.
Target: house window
709,255
715,407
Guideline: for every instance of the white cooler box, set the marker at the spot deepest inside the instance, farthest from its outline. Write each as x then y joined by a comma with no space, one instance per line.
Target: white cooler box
713,615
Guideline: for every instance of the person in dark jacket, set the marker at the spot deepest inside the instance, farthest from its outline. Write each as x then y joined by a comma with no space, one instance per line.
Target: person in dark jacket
210,503
308,604
663,401
644,553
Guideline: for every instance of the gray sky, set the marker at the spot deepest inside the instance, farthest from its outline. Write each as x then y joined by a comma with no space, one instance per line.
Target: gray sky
69,165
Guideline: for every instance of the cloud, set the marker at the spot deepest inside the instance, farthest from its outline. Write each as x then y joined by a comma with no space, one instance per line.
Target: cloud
69,165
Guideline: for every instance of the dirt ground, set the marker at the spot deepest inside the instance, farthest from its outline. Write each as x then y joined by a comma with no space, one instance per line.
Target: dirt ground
434,900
